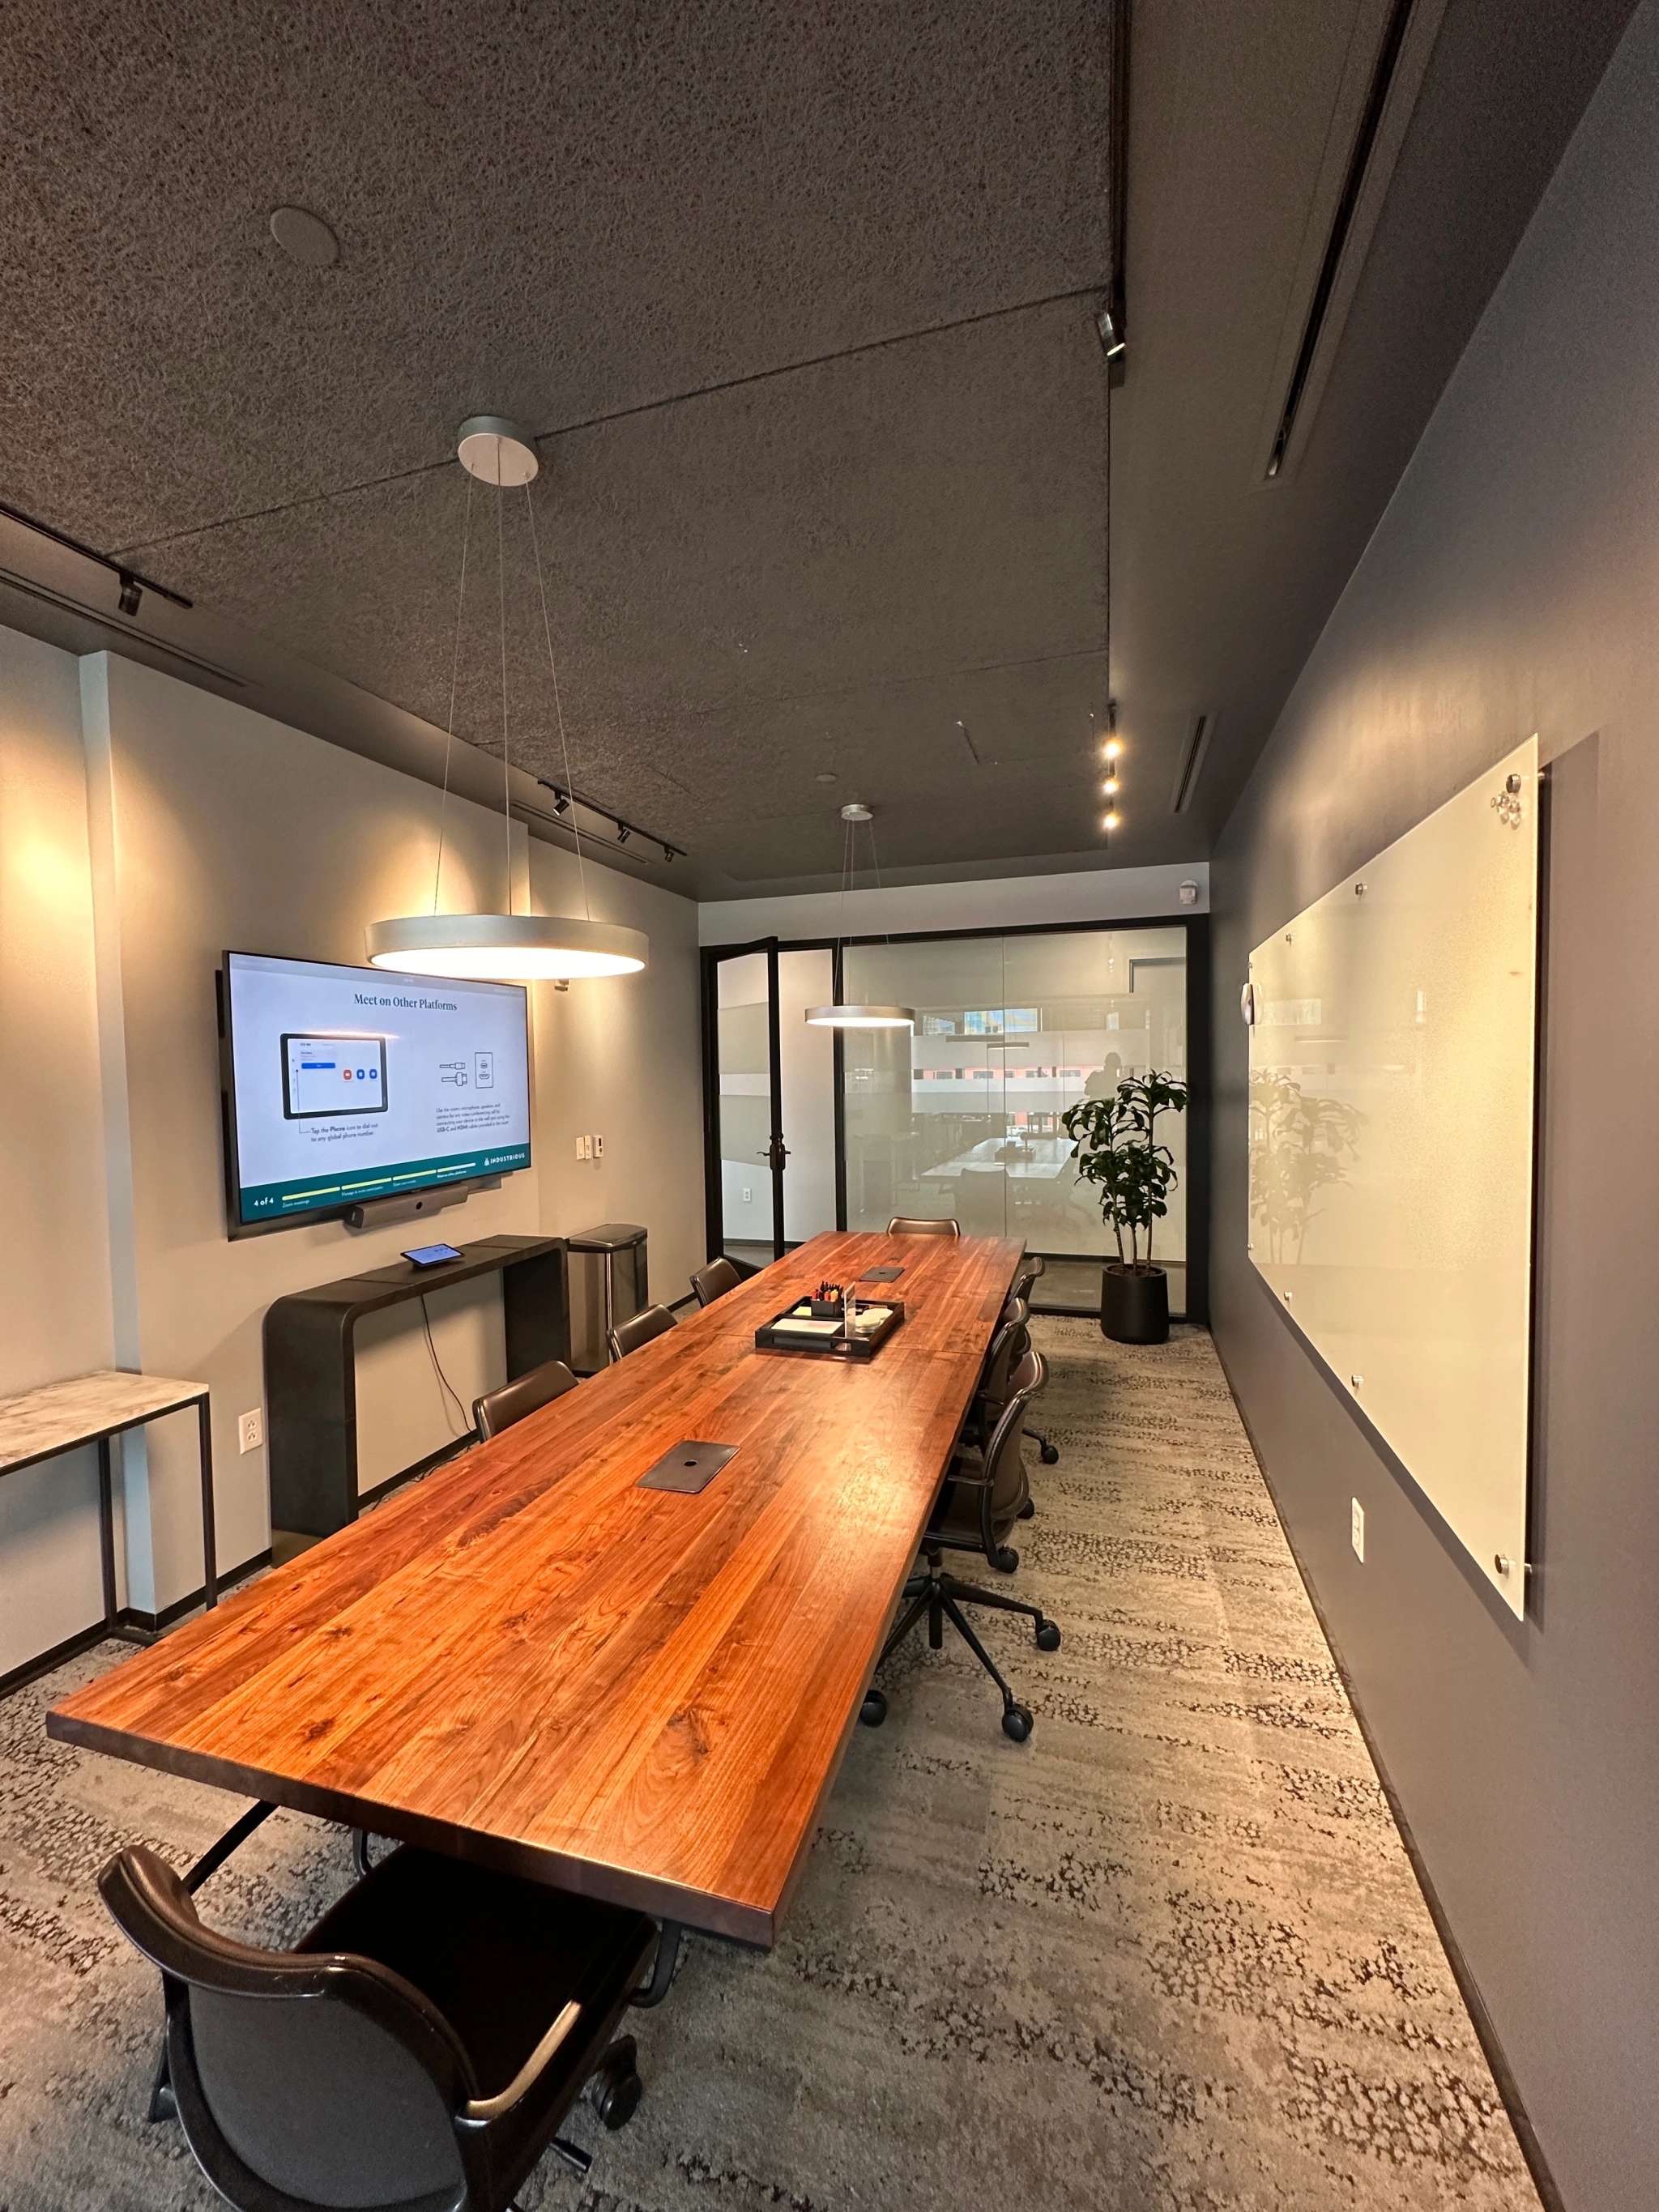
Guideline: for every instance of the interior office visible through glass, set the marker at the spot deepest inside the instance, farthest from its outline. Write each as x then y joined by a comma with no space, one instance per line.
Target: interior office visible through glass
963,1117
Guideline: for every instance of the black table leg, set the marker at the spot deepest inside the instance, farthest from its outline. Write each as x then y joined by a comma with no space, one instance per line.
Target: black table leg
210,1539
106,1530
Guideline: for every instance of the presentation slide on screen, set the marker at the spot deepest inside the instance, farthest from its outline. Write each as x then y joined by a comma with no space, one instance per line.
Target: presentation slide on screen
353,1084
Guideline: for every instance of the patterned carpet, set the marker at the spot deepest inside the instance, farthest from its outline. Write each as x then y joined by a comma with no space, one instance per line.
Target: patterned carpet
1168,1955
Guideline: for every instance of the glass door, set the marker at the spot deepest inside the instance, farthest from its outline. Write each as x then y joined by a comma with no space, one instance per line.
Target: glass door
746,1210
770,1073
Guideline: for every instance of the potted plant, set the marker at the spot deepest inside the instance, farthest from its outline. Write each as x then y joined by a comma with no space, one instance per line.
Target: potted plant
1114,1143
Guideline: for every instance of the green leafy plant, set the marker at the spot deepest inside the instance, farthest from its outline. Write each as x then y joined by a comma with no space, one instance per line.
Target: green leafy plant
1114,1143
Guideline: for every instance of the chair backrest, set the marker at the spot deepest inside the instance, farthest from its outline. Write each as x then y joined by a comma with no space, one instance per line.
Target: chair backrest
714,1280
1005,1463
1028,1374
301,2080
910,1224
498,1409
993,1383
640,1329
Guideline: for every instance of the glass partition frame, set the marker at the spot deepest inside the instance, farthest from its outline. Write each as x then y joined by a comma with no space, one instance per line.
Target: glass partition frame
1196,1173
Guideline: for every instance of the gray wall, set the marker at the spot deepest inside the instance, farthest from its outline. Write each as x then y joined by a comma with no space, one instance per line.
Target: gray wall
1513,585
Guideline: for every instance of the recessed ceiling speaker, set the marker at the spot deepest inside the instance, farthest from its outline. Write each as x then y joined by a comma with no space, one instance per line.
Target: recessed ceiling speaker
304,237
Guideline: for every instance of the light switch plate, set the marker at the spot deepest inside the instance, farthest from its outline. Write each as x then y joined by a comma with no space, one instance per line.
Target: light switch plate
598,1147
250,1430
1357,1530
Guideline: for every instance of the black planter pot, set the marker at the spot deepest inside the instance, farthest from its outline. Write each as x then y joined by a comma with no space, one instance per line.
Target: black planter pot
1135,1307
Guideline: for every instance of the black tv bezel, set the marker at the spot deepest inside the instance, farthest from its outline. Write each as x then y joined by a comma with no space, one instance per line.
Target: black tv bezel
235,1227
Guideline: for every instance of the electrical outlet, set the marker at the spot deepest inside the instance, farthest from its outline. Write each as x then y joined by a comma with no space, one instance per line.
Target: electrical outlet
250,1430
1357,1530
747,1194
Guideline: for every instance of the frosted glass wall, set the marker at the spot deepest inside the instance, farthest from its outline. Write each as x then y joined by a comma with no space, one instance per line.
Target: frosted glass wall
963,1118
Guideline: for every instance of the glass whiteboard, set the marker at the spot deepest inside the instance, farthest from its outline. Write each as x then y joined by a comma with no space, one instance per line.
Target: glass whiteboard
1392,1049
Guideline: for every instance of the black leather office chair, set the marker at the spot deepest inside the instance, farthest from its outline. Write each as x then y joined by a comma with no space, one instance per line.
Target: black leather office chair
498,1409
912,1225
714,1280
414,2052
640,1329
1027,1372
975,1511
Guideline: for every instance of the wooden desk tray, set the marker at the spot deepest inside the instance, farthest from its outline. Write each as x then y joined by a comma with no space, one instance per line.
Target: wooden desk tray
776,1336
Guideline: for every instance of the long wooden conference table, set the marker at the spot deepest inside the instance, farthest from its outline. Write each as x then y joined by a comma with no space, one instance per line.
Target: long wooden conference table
529,1661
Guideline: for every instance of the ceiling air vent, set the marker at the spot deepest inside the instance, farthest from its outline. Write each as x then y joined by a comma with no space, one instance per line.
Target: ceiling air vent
1191,762
1388,58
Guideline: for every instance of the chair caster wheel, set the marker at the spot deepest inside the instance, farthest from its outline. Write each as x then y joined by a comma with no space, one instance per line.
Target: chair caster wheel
1048,1636
873,1712
617,2088
1027,1509
1017,1724
1006,1560
1048,1454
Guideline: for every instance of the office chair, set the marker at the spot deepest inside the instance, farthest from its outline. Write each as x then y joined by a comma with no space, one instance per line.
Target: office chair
414,2052
1032,1264
714,1280
910,1224
1028,1373
975,1511
498,1409
640,1329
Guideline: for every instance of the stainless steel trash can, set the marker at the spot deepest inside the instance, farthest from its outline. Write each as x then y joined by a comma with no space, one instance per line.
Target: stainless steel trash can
608,1284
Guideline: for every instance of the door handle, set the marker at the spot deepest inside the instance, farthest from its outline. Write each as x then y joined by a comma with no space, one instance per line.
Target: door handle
776,1154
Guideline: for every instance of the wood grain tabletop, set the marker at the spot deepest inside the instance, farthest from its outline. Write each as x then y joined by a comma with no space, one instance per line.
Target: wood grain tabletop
526,1660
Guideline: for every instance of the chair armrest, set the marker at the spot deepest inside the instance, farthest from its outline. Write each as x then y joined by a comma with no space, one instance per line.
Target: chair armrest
486,2109
971,1479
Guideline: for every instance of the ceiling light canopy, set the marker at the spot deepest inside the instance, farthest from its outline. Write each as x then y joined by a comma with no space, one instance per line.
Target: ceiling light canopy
505,948
859,1015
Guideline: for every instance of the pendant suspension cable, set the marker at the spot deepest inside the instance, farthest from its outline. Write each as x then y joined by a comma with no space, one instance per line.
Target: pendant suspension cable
558,705
454,677
500,575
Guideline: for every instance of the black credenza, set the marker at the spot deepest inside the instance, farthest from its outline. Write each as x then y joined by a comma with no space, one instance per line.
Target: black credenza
311,1383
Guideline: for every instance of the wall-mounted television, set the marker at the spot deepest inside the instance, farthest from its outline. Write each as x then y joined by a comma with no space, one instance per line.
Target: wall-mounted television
346,1087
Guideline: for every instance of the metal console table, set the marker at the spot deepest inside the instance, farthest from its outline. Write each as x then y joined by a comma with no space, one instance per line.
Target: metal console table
90,1409
311,1382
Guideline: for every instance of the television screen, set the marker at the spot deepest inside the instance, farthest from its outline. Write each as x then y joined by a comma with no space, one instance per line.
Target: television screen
347,1085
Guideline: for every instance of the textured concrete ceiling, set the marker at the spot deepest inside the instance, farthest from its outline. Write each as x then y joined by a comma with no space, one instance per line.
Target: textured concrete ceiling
798,302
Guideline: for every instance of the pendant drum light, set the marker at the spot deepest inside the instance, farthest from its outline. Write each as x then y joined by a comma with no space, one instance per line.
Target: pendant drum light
504,948
860,1016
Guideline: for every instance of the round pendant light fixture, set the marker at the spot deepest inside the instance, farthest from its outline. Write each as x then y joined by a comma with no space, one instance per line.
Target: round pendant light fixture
860,1016
504,948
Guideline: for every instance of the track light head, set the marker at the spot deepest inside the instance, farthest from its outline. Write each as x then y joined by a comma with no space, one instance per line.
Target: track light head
130,594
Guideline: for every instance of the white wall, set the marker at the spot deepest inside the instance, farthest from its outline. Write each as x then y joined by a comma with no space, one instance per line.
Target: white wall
55,1285
621,1058
158,826
1003,902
